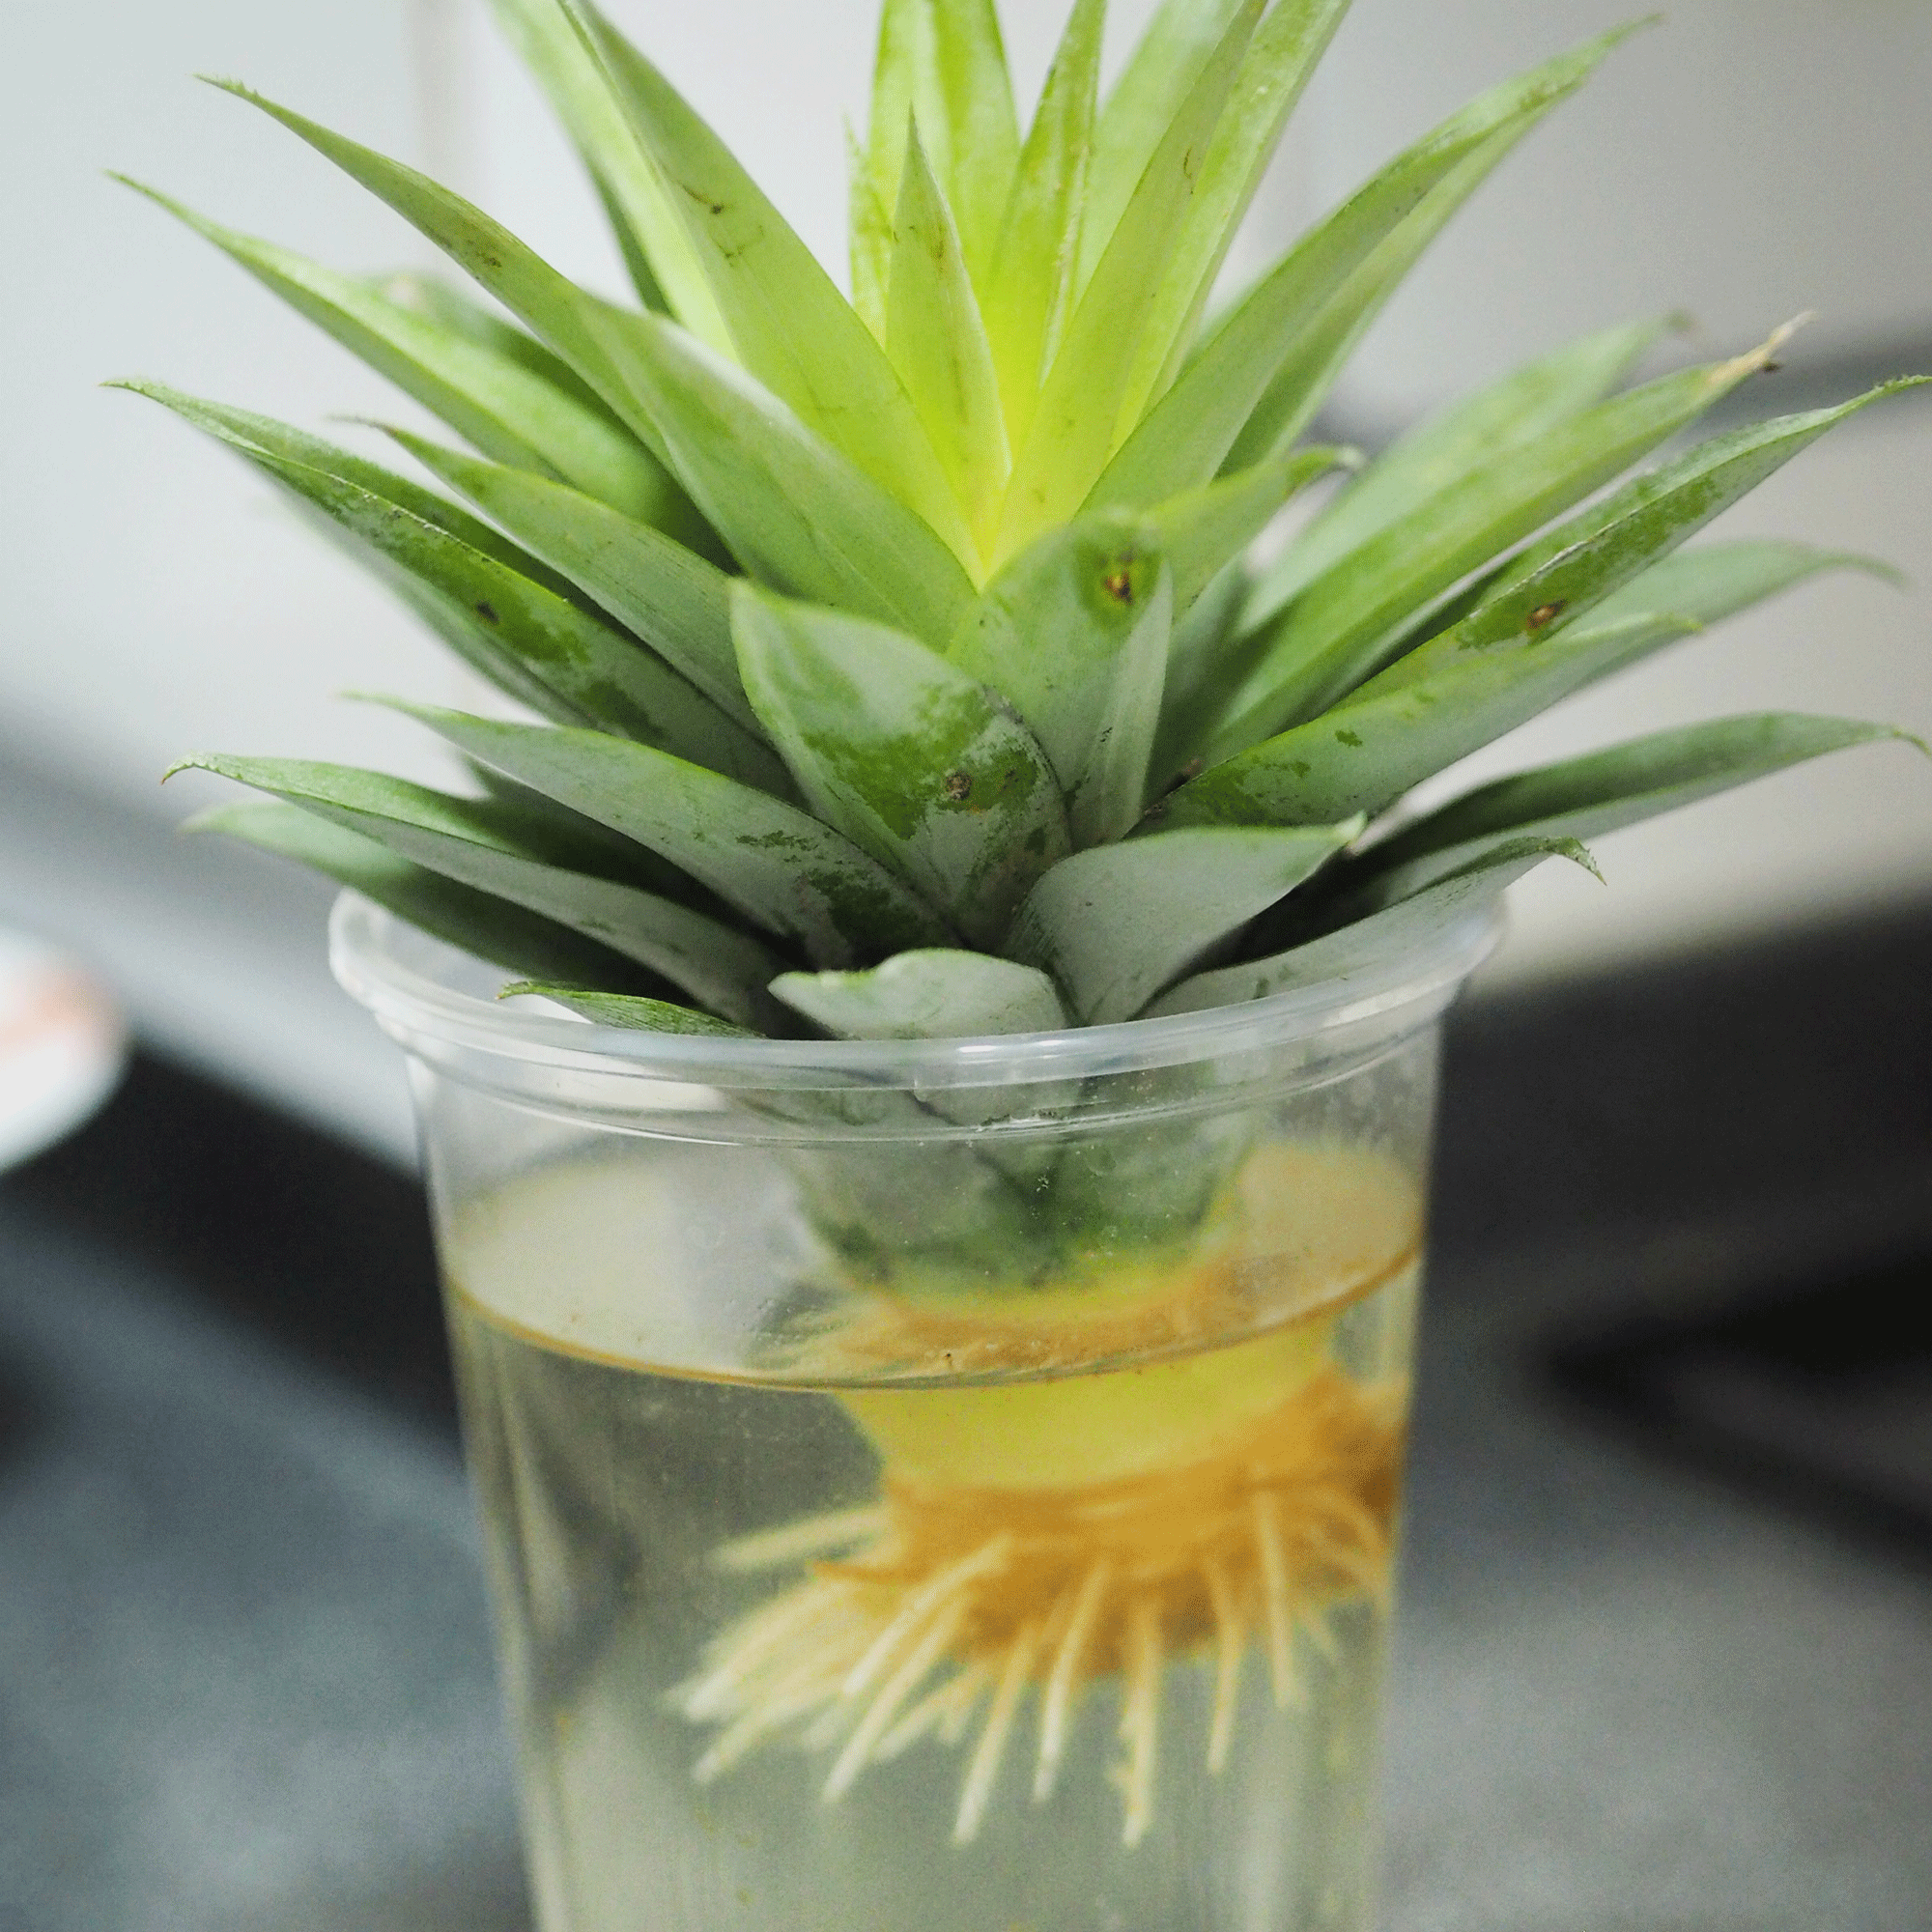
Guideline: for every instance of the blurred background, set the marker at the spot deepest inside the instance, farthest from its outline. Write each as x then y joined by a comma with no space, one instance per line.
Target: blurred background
1700,1094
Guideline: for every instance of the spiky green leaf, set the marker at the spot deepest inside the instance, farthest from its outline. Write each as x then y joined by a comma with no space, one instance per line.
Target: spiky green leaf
1363,755
799,516
507,412
937,341
591,671
1204,530
1339,631
906,88
1371,942
1569,571
1277,66
663,262
1204,663
473,922
986,139
1074,633
788,323
777,866
1143,104
928,995
906,755
257,437
555,307
1116,925
545,830
1072,431
676,601
1527,404
1607,790
724,968
487,327
628,1011
1716,581
868,218
944,63
1030,292
1278,347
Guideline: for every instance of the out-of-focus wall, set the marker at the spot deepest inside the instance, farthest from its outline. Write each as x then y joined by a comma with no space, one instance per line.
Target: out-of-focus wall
160,598
1743,160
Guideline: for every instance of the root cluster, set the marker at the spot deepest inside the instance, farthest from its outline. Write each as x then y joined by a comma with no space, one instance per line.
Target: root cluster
942,1608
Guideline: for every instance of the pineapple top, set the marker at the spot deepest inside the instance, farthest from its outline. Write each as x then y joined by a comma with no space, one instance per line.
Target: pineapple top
904,663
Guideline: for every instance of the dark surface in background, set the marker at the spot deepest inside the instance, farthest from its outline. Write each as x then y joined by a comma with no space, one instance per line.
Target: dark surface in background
1771,1112
1818,1395
320,1248
1682,1226
1798,1073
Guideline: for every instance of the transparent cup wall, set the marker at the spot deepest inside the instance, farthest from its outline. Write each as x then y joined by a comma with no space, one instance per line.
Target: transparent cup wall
939,1487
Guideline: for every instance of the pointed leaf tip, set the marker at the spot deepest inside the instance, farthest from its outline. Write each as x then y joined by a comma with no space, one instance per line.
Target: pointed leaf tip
930,994
1579,854
1116,925
629,1011
1601,792
907,755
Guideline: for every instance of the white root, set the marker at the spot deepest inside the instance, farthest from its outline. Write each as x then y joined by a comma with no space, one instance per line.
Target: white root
804,1691
983,1774
860,1747
1369,1577
797,1542
863,1657
1275,1597
742,1650
1230,1641
957,1719
1057,1706
947,1710
922,1604
1363,1557
1140,1718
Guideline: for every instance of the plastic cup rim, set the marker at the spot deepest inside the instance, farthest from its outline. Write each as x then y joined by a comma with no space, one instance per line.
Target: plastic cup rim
422,1010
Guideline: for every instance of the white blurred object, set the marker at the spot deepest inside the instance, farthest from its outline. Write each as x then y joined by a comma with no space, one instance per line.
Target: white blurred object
61,1046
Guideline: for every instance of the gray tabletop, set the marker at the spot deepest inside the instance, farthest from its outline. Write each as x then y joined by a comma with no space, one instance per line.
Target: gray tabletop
244,1669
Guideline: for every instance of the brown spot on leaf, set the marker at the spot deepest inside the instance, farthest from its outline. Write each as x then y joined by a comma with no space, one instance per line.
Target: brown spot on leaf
1545,615
1119,580
958,786
703,199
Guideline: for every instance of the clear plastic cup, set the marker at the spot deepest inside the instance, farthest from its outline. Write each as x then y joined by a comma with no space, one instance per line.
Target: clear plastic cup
935,1487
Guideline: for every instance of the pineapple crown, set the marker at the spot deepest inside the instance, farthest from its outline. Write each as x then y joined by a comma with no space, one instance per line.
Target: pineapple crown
904,663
